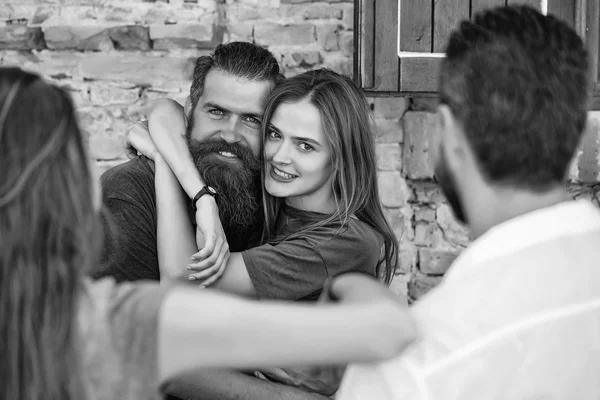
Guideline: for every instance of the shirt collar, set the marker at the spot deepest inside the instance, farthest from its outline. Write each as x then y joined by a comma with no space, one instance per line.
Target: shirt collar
563,219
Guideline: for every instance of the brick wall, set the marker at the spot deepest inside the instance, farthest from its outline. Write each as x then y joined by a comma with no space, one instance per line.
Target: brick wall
115,56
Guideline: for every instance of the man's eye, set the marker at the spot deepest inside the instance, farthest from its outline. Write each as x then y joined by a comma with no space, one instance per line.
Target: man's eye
216,112
306,147
252,120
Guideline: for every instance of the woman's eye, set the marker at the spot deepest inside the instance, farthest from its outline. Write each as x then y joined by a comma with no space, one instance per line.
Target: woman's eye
306,147
274,135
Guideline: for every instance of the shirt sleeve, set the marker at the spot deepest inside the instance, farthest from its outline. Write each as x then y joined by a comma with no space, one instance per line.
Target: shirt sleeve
129,218
297,268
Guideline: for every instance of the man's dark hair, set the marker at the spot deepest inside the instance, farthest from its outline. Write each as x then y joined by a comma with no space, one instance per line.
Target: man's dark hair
517,82
241,59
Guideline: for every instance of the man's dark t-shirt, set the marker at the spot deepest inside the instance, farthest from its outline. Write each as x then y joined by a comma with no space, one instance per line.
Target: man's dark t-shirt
129,219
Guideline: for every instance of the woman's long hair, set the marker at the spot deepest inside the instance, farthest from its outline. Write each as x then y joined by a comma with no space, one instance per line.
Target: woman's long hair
347,123
46,219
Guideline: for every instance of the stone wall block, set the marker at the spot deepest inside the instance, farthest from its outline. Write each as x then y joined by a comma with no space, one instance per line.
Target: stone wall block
407,258
347,15
454,232
399,287
313,11
400,220
301,59
269,33
425,213
418,127
346,41
436,261
57,65
104,94
239,31
427,234
86,37
420,285
389,156
327,35
393,190
337,62
428,104
137,69
389,107
21,37
388,130
184,35
428,192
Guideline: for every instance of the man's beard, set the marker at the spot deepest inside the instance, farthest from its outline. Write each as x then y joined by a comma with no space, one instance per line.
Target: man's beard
237,183
447,183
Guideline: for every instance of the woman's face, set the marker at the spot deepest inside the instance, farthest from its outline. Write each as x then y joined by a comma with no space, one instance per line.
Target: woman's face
298,158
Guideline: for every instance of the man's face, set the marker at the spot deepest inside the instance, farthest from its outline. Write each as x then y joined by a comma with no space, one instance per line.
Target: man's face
230,109
447,183
223,135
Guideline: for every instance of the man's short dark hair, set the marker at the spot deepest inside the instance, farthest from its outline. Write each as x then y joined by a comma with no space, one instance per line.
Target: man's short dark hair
241,59
517,82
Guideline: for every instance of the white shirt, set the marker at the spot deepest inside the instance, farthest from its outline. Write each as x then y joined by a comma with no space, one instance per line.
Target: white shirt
517,316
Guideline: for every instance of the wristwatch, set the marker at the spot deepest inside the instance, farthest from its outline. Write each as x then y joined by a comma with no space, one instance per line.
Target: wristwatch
205,190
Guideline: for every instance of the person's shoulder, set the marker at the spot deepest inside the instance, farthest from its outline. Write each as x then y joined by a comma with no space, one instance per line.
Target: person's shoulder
353,235
129,180
135,170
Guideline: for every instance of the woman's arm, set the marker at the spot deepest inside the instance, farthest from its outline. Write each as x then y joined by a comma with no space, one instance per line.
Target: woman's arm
212,330
167,128
175,235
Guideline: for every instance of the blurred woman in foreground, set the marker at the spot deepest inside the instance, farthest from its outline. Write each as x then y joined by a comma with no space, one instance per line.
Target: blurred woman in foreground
66,337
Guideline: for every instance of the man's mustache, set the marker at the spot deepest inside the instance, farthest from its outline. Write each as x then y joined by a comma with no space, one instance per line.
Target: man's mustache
203,148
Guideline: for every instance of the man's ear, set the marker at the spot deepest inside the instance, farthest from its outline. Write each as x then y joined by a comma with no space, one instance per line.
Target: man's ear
452,135
187,109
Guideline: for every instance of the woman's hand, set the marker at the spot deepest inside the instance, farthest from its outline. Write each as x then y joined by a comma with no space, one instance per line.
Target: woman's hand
138,141
209,263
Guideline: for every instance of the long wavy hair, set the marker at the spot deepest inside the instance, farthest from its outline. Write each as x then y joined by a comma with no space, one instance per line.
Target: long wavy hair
347,123
46,222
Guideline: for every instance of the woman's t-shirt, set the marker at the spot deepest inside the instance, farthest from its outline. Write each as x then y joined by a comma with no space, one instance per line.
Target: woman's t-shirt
118,326
297,268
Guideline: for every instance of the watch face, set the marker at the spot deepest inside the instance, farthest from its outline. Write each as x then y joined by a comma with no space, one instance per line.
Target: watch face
210,190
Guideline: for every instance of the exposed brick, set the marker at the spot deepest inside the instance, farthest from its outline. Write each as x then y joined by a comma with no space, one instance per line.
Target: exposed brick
86,37
48,63
421,285
400,220
338,62
425,214
454,232
327,35
399,287
313,11
389,130
138,69
428,104
104,94
427,234
106,127
390,107
407,258
166,37
270,33
239,31
132,37
417,127
302,59
346,40
436,261
19,37
393,190
428,192
389,156
347,15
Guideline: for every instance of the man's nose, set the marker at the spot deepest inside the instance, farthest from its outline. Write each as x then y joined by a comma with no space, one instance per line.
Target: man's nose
231,133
